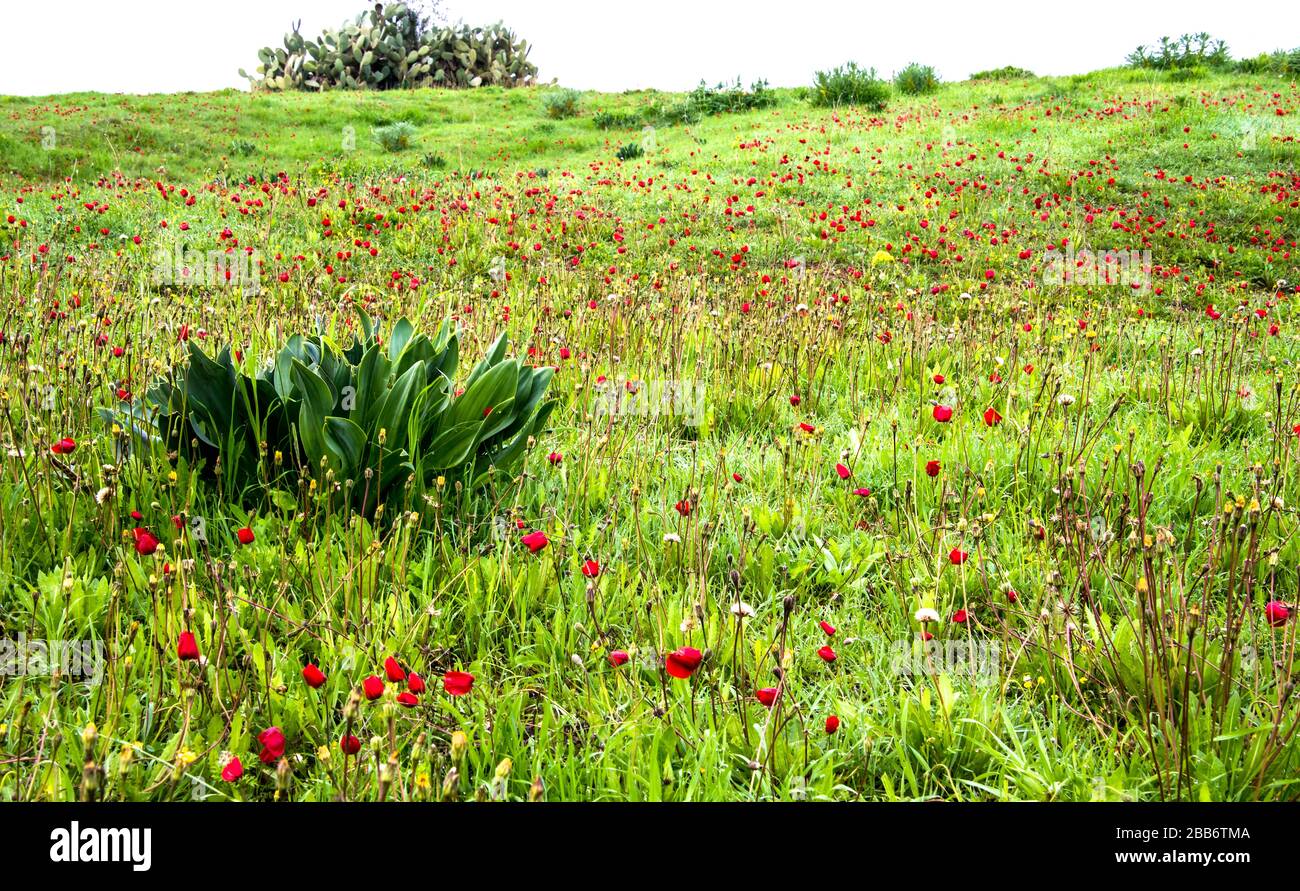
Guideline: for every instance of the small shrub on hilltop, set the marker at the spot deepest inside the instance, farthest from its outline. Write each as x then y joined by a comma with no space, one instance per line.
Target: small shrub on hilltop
916,79
1006,72
850,85
562,104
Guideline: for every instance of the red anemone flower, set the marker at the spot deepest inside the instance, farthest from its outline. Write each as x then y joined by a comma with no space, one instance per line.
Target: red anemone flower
313,675
145,541
187,647
233,770
457,683
682,662
393,670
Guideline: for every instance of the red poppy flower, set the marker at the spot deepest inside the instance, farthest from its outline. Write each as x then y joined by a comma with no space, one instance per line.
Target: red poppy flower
393,670
960,617
795,400
827,654
349,744
373,687
64,446
938,378
313,675
843,471
410,700
807,428
457,683
233,770
991,417
187,648
932,468
828,628
245,535
942,413
618,657
1276,613
682,662
737,477
145,541
832,723
767,695
415,683
957,556
555,458
1012,596
862,493
535,541
683,507
591,569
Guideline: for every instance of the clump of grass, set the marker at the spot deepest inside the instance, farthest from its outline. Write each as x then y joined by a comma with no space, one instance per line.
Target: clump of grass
561,104
396,137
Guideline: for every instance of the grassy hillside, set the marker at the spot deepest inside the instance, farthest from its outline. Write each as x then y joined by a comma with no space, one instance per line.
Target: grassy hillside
196,137
943,451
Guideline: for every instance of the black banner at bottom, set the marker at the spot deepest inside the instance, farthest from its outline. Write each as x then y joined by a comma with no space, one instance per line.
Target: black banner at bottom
301,841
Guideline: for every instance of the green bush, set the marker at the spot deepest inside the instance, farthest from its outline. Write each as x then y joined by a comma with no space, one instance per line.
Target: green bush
1281,62
242,148
1006,72
1189,51
629,151
395,137
850,85
376,416
561,104
727,98
916,79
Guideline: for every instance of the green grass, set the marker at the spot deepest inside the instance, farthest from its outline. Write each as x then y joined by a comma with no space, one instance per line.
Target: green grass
1137,495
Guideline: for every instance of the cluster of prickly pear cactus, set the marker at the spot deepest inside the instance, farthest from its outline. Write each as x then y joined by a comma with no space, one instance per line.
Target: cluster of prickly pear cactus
390,47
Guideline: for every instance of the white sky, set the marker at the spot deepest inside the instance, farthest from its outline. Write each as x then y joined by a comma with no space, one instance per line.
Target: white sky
147,46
